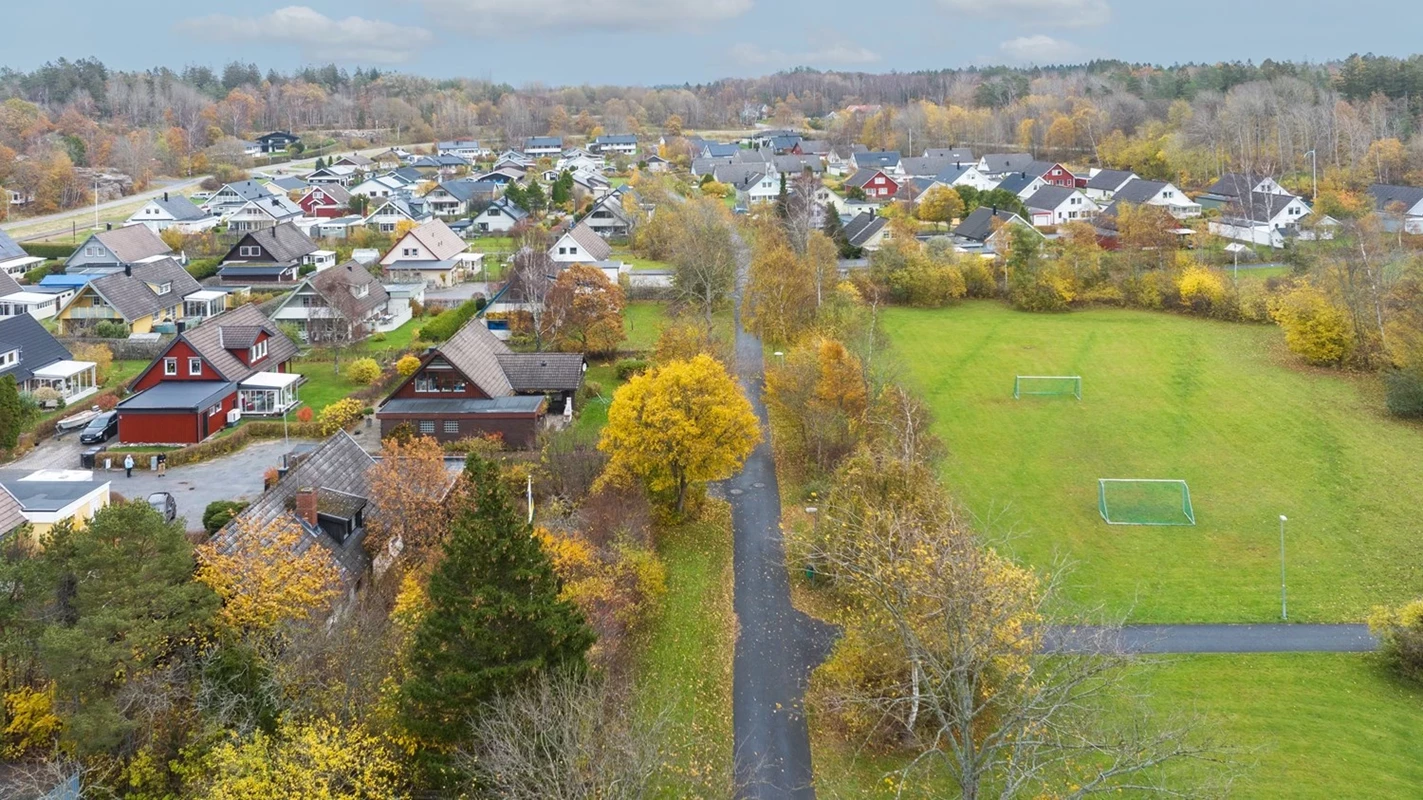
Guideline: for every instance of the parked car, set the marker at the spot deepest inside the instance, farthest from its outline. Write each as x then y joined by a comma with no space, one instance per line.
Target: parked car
100,429
164,504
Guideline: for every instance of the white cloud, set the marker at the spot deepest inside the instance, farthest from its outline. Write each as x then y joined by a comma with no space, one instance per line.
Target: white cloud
504,16
1062,13
321,38
1040,49
828,54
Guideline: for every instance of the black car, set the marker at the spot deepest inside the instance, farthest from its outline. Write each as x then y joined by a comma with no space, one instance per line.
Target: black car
100,429
164,504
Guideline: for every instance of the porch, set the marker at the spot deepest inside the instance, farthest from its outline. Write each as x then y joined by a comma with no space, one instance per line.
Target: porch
74,380
203,304
268,393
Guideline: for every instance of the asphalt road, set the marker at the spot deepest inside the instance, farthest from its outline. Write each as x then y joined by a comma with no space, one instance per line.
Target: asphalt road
1270,638
777,646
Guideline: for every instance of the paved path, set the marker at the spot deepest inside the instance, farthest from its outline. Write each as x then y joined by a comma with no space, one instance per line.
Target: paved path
1269,638
778,646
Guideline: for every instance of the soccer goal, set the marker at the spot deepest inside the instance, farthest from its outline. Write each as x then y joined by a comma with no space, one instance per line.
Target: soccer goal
1043,385
1128,501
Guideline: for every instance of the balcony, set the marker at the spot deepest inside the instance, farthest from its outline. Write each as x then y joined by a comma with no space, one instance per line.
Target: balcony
92,312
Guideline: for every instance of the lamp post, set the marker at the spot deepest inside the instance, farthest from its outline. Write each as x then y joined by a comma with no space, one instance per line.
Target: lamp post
780,355
96,205
1314,171
1284,609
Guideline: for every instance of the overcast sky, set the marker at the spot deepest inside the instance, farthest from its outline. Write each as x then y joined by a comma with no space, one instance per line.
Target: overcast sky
674,41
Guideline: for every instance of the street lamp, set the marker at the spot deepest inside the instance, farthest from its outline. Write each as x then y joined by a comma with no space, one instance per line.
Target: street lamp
1284,609
781,356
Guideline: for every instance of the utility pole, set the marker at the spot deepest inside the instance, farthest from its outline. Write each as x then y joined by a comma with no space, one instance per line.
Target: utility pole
1284,609
1314,171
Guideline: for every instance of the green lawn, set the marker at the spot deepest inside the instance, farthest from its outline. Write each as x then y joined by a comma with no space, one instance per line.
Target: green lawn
1219,405
594,413
643,321
323,386
396,341
684,667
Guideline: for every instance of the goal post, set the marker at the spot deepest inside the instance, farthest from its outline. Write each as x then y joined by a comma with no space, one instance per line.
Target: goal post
1047,385
1145,501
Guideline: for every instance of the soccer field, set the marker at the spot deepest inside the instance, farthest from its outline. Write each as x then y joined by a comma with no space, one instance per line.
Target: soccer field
1217,405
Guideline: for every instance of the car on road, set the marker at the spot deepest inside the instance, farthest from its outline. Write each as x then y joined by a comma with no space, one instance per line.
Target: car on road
164,504
100,429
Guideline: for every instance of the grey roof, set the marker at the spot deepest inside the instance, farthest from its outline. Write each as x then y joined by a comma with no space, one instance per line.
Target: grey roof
466,189
1234,184
11,512
42,495
8,285
597,247
248,190
1017,182
9,248
184,395
818,147
180,208
255,272
926,166
338,465
407,174
543,141
951,153
543,372
344,276
1049,198
864,226
704,166
978,226
1109,180
133,243
509,207
953,172
335,191
1259,206
288,184
285,243
38,348
474,351
131,296
999,163
752,157
1385,195
794,165
616,138
458,144
881,159
520,404
1138,191
718,150
437,237
214,343
740,176
1038,168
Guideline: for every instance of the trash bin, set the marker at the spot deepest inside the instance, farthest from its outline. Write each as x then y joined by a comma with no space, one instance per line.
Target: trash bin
88,457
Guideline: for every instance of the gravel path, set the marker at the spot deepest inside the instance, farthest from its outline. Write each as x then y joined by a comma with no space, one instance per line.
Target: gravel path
1269,638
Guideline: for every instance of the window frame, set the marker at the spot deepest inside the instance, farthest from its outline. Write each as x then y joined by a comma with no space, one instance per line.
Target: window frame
170,367
195,366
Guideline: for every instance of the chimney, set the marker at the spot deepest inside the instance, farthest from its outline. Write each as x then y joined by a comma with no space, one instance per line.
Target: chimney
165,197
128,270
306,505
108,226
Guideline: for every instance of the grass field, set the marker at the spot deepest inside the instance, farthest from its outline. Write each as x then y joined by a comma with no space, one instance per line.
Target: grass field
1218,405
643,321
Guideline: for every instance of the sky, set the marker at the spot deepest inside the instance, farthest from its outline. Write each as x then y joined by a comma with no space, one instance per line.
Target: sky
656,42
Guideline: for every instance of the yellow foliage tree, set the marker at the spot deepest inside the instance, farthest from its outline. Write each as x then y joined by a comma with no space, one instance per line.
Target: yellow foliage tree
780,294
407,365
1315,329
403,227
682,423
409,484
1201,289
940,204
271,576
585,311
318,760
31,723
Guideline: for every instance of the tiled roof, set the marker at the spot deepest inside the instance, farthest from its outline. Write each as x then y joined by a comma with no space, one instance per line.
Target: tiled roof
1109,180
863,227
213,341
862,176
1017,182
285,243
951,153
925,166
335,191
474,351
8,285
133,243
37,347
1138,191
999,163
1385,195
437,237
543,372
239,337
341,278
1049,198
596,246
978,226
131,295
9,248
179,207
11,516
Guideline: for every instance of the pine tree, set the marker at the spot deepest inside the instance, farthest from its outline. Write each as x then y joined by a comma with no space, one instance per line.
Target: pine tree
495,618
783,199
320,162
835,230
534,197
514,193
10,413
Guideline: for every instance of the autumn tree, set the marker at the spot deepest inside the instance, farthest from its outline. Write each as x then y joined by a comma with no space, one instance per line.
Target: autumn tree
409,486
269,576
1146,233
704,255
679,424
940,204
817,400
585,311
531,280
780,297
319,758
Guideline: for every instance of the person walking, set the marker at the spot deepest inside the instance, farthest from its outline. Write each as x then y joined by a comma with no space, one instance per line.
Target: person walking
162,464
128,466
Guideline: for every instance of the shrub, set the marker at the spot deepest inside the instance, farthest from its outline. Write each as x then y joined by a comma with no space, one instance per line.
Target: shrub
977,278
1201,289
338,415
444,325
593,388
378,337
485,446
1403,392
1400,635
407,365
363,371
111,329
46,396
629,367
1315,329
100,354
202,268
304,414
219,513
50,250
106,402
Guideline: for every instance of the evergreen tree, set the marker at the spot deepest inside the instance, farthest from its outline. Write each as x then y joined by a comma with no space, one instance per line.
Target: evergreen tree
11,413
514,193
320,162
835,230
782,199
495,618
562,190
535,198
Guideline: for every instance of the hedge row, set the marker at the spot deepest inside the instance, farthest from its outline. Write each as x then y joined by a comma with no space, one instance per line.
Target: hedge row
50,250
227,445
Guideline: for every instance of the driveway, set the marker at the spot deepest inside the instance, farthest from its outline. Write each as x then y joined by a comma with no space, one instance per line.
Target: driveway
1269,638
778,646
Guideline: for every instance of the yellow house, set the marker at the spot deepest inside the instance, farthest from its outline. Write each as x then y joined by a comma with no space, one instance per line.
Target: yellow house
48,497
142,297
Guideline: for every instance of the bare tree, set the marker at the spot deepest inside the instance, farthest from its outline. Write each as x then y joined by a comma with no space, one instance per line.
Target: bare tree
533,275
704,253
803,212
341,319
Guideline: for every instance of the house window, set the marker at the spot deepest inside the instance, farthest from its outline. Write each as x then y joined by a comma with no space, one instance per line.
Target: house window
249,251
165,288
9,357
170,366
258,352
215,410
91,251
427,426
96,301
195,366
563,251
407,251
452,426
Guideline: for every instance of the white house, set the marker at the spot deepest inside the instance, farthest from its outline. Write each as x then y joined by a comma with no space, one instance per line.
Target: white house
1023,184
162,213
379,187
1158,193
432,254
14,261
580,245
1402,204
1270,219
388,214
1058,205
14,300
233,196
267,212
468,149
500,217
964,174
539,146
626,144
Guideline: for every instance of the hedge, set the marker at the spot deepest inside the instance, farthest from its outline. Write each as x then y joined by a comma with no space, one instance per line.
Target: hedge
50,250
227,445
444,326
203,268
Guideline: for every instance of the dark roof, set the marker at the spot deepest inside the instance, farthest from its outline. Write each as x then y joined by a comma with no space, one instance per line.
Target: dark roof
878,158
42,495
255,272
184,395
978,226
344,276
519,404
818,147
999,163
466,189
1109,180
864,226
951,153
1039,168
616,138
862,176
131,296
543,372
1049,197
335,191
474,351
954,171
1258,207
718,150
1016,182
289,183
9,248
1385,195
38,348
11,512
247,190
8,285
240,337
1138,191
179,207
925,166
1235,184
285,243
237,330
286,135
338,465
543,141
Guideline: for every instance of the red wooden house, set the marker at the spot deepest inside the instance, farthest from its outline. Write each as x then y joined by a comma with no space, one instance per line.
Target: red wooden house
233,364
876,184
327,201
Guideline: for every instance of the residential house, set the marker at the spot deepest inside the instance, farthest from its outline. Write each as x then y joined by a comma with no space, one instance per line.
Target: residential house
1233,187
981,226
580,245
812,147
272,255
467,149
355,160
1058,205
707,166
111,250
619,143
925,166
867,231
277,141
1158,193
998,164
1271,219
655,163
233,196
762,140
719,150
326,201
886,160
796,164
388,214
782,145
172,211
285,184
37,360
19,198
432,254
964,173
514,158
1104,183
754,183
875,183
540,146
503,175
380,187
1401,204
146,298
609,219
333,175
390,159
12,513
958,155
48,497
206,378
440,167
499,217
1054,174
472,385
341,305
267,212
1022,184
15,300
14,261
337,228
325,494
455,198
